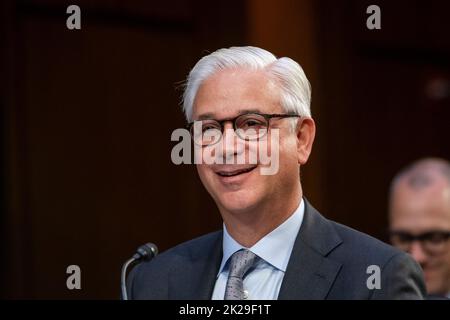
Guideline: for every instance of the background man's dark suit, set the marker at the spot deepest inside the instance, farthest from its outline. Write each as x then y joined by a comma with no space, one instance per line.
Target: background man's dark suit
328,261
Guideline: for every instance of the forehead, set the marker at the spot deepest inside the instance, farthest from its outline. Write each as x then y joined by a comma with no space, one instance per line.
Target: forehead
421,208
227,92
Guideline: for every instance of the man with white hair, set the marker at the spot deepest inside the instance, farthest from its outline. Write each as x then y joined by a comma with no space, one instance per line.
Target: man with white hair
274,244
419,216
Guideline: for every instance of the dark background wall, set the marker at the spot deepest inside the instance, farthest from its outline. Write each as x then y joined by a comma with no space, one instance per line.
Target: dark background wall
87,117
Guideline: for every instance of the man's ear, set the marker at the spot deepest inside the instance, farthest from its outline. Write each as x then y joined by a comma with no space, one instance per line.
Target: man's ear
305,131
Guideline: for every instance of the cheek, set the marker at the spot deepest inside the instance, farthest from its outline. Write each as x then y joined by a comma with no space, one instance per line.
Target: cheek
288,153
279,147
447,259
440,264
202,171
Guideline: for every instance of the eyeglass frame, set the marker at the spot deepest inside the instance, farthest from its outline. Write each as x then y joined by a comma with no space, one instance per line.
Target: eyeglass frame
266,116
421,238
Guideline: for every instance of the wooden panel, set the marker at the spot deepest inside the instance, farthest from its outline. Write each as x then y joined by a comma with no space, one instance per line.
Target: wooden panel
378,111
94,111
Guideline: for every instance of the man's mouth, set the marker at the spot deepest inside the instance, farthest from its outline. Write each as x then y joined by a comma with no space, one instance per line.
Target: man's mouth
236,172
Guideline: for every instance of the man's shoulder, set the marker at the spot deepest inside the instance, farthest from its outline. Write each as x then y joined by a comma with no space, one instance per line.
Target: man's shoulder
195,246
361,246
183,252
343,243
150,279
361,256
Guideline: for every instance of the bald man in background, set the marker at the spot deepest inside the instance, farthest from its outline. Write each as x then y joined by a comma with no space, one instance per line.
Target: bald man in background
419,216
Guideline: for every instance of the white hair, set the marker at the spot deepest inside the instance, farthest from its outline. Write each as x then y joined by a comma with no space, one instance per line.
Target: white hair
295,87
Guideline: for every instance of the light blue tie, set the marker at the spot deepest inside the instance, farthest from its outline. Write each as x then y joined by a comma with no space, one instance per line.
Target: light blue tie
241,262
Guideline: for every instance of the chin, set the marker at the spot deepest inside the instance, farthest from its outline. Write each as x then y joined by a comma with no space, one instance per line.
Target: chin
434,285
236,201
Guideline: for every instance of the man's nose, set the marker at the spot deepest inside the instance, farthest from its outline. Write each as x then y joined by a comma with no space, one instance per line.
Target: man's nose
417,252
230,142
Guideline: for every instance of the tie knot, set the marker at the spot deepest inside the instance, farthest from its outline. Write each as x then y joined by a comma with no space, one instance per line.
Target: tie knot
241,262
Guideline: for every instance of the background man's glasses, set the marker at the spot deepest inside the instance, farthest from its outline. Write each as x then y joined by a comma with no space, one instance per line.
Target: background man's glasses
432,242
248,126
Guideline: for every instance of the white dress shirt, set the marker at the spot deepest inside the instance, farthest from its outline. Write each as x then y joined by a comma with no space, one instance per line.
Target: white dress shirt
264,281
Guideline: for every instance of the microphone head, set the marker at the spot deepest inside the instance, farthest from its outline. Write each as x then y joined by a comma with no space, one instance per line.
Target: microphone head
146,252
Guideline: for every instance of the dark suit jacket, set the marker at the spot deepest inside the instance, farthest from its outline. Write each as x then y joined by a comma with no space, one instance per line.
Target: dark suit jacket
328,261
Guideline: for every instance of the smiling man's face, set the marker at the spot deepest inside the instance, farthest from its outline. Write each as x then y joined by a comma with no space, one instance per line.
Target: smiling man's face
241,187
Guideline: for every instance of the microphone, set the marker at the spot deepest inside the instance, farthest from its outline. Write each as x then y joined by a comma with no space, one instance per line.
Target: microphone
145,252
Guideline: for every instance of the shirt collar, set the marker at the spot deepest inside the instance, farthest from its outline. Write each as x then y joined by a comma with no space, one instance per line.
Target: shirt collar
275,248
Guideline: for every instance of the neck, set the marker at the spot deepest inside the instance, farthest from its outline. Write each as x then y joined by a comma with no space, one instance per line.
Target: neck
249,226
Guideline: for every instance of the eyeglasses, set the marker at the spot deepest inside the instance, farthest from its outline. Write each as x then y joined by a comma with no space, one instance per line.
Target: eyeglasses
248,126
432,242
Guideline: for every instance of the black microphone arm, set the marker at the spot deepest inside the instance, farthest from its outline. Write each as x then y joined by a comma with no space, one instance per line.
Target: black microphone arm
145,252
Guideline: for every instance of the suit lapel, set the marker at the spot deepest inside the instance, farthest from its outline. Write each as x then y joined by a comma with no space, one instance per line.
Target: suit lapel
310,273
196,276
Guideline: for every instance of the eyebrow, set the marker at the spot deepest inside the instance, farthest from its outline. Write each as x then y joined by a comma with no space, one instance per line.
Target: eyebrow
210,115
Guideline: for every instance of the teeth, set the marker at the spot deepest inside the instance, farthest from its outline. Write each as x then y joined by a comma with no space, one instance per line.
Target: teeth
229,174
